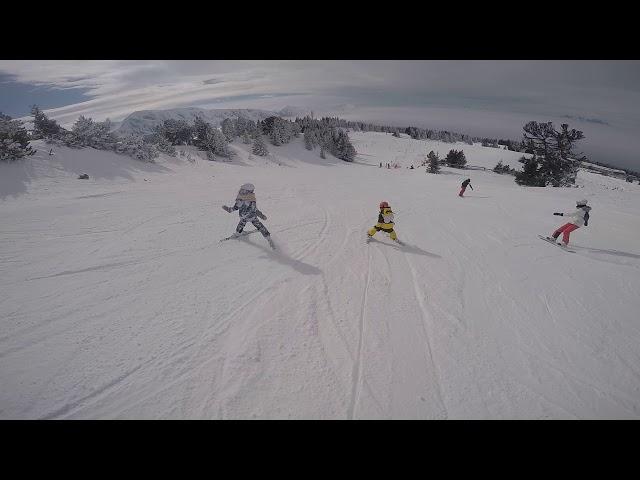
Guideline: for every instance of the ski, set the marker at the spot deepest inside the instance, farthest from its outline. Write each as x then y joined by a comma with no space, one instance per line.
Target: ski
553,242
230,237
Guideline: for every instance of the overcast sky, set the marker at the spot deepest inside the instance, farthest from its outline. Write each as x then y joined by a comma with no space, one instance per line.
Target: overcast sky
493,98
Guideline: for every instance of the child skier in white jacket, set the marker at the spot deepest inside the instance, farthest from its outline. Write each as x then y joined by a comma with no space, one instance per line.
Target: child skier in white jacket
579,218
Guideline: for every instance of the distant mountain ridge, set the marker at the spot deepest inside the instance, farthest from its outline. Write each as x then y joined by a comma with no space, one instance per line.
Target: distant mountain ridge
143,122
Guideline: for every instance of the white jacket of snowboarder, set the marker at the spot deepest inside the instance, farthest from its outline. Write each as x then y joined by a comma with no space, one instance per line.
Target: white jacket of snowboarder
577,217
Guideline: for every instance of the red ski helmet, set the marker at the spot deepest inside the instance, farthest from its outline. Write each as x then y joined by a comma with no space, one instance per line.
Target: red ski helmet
384,205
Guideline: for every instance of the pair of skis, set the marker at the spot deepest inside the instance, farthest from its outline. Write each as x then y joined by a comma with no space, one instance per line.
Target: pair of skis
370,239
244,234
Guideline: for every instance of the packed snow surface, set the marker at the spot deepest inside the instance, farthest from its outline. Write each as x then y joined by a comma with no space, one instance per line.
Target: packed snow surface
118,301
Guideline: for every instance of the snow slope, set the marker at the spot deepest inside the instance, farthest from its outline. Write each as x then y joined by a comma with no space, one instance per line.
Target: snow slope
117,301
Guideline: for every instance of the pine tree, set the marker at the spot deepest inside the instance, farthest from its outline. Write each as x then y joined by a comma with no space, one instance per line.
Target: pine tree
87,133
201,132
228,129
14,140
43,127
259,147
245,138
456,159
554,149
215,144
178,132
344,150
530,175
434,162
163,145
136,147
308,140
322,155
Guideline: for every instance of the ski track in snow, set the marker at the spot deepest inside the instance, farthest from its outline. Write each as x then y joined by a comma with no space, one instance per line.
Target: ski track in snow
357,372
118,301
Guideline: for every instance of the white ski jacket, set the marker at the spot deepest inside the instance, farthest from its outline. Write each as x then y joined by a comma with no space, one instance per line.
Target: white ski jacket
578,216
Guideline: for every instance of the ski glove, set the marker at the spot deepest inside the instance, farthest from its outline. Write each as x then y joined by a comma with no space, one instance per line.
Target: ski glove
560,214
227,209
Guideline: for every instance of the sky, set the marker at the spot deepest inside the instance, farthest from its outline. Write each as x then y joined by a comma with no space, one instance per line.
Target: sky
477,97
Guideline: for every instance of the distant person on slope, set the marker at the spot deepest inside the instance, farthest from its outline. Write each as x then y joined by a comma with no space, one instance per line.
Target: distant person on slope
248,211
579,218
385,223
464,185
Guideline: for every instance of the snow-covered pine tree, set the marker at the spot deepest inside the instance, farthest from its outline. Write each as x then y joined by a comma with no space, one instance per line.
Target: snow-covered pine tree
245,138
433,162
87,133
228,129
530,175
177,132
221,145
215,144
43,127
558,163
162,144
201,132
456,159
275,136
259,147
14,140
343,147
136,147
308,140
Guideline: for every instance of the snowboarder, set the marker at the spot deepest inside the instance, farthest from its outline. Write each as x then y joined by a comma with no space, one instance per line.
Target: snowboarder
579,218
464,185
385,223
248,211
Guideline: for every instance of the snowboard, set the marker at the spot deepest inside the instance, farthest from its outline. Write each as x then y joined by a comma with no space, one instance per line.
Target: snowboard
553,242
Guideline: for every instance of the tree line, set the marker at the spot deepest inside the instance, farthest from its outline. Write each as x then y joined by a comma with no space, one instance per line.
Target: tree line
85,132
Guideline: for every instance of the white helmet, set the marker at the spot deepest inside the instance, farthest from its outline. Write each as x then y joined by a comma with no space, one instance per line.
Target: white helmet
581,203
247,187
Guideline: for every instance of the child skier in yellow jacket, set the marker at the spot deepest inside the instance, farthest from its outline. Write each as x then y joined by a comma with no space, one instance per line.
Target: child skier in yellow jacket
385,223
